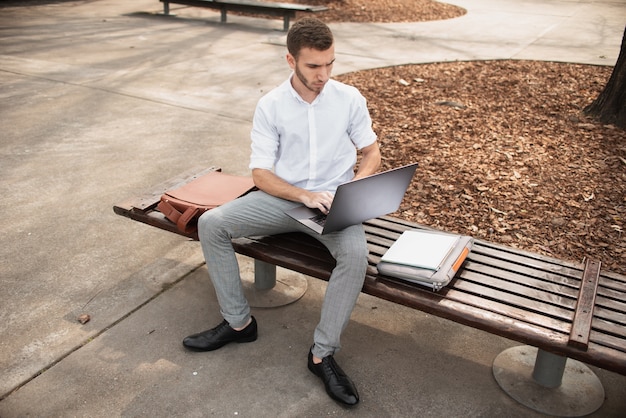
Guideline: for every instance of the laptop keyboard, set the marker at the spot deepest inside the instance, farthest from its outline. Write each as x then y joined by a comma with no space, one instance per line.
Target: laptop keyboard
319,219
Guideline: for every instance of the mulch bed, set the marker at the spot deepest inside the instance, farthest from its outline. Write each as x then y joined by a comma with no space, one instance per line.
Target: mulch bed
383,11
505,153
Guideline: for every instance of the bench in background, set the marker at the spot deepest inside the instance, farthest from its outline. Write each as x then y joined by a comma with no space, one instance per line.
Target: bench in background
286,10
562,309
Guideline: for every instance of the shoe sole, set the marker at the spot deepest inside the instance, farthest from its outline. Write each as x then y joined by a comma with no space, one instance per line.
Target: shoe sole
217,347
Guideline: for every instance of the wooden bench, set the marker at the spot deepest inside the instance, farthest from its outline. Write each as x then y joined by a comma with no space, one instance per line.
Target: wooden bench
565,310
286,10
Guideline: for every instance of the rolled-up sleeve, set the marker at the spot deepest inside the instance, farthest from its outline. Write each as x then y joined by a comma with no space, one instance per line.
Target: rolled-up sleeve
265,140
360,128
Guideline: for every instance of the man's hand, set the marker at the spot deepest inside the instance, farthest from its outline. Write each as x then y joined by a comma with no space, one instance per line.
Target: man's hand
318,200
272,184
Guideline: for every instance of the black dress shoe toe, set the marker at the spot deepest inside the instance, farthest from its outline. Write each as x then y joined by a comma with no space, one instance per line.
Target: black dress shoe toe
220,336
338,385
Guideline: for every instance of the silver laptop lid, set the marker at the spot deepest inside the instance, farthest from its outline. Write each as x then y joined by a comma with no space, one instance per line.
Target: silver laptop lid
369,197
360,200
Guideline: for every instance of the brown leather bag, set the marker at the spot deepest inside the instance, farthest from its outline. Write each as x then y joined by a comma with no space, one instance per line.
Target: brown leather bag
184,205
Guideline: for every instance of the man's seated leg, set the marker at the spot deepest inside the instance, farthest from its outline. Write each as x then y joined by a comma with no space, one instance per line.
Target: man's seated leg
349,247
256,213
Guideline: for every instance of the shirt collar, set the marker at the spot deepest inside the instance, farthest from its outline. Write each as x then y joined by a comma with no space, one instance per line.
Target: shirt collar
297,95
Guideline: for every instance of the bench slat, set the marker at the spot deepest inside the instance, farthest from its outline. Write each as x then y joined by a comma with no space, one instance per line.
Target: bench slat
465,309
556,292
516,295
608,292
562,316
539,269
609,328
527,258
611,310
609,342
581,326
527,276
610,282
509,306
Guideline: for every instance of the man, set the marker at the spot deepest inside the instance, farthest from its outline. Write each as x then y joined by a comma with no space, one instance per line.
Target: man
305,137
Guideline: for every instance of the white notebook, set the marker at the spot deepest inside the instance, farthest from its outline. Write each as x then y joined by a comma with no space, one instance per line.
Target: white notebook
421,249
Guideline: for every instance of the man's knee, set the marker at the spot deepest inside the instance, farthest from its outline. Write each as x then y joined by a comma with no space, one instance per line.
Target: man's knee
354,255
210,223
358,251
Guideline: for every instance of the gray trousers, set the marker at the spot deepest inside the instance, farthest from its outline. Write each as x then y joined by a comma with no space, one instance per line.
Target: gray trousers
259,213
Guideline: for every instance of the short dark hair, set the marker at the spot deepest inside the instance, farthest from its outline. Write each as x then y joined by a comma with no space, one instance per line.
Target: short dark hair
309,32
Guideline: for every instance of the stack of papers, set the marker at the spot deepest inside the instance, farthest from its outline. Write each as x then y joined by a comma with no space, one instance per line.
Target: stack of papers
422,249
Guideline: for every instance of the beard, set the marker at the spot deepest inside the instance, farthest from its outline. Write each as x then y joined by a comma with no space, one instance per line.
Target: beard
312,86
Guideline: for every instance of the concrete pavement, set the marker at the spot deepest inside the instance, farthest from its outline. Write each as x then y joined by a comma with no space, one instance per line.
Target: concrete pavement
102,99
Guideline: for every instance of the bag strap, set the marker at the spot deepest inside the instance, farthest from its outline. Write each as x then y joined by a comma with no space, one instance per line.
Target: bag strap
181,219
185,219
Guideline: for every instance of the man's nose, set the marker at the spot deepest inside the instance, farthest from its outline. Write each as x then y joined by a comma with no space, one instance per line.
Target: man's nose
323,74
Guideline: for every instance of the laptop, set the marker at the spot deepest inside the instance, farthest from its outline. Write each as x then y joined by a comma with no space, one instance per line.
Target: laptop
358,201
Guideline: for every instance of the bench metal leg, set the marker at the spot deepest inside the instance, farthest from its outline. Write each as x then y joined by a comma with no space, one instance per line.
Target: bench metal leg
287,15
166,7
223,15
267,287
286,22
549,369
548,383
264,275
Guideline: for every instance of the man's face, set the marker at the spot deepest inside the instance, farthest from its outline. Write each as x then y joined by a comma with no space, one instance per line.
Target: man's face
312,68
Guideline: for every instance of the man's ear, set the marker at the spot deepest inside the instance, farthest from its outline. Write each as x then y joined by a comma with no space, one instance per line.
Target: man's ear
291,61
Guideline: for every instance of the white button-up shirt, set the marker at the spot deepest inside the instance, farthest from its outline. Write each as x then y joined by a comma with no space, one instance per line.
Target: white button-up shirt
312,146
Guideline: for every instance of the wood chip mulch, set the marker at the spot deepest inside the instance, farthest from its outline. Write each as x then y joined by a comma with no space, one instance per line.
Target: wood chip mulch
383,11
505,153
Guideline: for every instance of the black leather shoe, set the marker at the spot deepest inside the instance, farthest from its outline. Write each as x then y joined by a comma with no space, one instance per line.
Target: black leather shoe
338,385
220,336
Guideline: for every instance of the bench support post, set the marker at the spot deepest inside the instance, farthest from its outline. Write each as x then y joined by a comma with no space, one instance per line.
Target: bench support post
286,22
548,383
166,7
549,369
265,286
264,275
